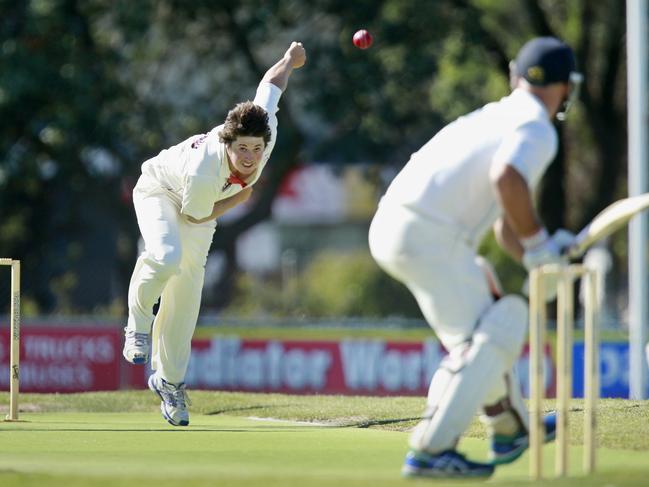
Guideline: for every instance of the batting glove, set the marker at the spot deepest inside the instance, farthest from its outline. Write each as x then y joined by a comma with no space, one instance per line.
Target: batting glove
541,249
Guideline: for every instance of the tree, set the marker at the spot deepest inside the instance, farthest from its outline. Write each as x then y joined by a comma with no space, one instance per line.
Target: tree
89,90
61,106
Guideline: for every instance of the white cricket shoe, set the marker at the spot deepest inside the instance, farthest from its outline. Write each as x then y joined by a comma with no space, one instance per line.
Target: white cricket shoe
136,347
174,400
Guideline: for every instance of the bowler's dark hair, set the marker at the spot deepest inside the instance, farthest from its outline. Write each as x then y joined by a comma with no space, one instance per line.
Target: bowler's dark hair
245,119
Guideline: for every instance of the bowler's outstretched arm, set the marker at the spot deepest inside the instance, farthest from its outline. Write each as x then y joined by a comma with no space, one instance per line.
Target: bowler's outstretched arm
278,74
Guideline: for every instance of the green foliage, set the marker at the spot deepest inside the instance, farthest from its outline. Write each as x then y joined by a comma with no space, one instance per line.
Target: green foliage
61,103
333,285
465,79
511,273
353,285
254,297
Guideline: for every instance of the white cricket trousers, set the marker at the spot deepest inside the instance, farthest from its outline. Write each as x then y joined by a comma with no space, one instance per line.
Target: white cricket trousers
442,272
172,268
438,267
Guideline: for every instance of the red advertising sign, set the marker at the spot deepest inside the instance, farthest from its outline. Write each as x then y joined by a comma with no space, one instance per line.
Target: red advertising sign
373,367
64,359
76,359
348,366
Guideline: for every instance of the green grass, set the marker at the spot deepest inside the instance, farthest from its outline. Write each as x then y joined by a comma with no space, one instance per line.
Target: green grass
120,439
315,333
336,333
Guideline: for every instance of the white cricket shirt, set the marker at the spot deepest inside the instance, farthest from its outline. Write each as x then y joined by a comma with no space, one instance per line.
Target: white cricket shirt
195,172
447,180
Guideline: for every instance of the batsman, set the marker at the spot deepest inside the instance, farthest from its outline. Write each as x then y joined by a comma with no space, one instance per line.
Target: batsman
478,172
178,197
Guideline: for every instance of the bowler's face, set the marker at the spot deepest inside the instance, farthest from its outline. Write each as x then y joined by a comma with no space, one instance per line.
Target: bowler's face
245,154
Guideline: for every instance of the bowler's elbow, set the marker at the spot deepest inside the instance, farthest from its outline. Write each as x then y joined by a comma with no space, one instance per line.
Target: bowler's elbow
278,81
191,219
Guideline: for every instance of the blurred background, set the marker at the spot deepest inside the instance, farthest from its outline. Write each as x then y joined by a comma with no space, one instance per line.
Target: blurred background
90,89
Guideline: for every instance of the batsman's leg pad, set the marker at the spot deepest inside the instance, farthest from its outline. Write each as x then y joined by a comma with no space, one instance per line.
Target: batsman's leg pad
508,414
504,326
469,373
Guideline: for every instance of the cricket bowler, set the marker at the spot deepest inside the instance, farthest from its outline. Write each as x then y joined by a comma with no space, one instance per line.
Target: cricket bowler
478,172
178,198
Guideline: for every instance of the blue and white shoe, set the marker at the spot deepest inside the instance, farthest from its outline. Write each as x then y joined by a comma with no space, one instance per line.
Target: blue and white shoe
174,400
448,464
506,449
137,347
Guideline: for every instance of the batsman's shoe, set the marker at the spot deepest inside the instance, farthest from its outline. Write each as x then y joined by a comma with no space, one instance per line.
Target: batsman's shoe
136,347
506,449
174,400
448,464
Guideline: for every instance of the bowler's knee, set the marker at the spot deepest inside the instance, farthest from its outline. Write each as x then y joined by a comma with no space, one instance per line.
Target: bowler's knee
166,260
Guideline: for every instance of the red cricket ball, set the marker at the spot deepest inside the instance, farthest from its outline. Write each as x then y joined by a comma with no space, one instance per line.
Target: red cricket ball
362,39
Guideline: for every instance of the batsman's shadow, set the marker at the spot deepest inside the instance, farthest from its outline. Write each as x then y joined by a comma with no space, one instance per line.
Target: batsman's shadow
379,422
